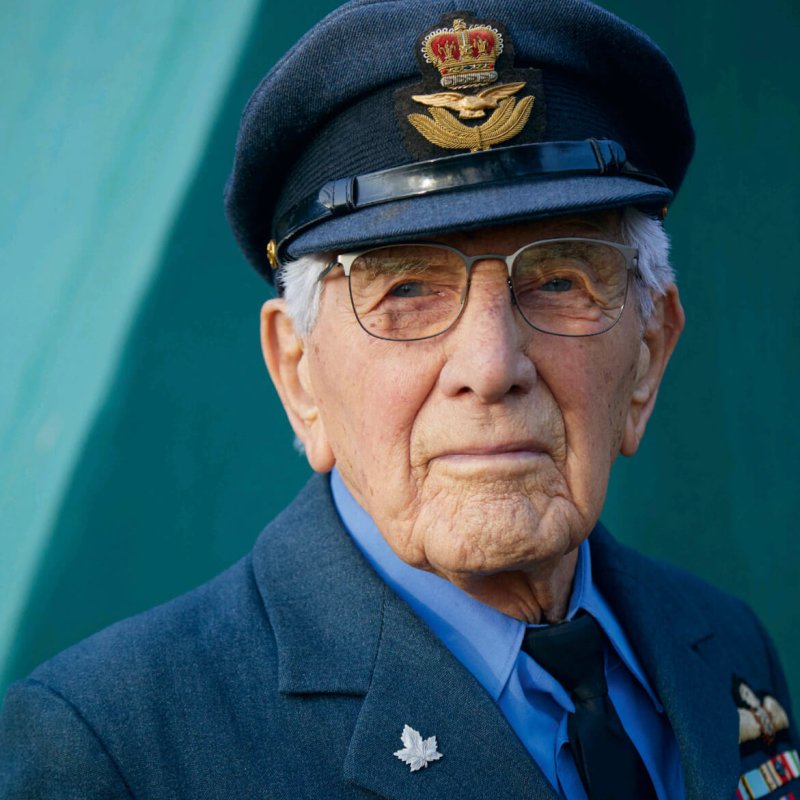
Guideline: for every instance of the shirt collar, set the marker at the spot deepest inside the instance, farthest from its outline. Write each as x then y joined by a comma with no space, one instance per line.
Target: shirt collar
486,641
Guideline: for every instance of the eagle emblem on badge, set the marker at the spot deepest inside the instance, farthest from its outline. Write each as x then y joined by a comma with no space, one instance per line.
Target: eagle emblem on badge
465,57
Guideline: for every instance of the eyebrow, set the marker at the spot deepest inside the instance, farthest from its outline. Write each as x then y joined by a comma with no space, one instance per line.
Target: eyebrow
591,222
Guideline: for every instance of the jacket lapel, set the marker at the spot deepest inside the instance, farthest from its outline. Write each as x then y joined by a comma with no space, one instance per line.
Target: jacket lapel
343,631
677,660
417,682
322,599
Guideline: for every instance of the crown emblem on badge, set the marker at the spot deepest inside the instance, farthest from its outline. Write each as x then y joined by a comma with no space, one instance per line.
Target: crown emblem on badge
465,56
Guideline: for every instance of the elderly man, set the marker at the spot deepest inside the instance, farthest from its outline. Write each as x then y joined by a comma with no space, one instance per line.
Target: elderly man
463,215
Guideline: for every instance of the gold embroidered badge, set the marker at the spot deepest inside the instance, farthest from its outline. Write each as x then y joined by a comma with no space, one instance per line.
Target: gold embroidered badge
470,106
465,57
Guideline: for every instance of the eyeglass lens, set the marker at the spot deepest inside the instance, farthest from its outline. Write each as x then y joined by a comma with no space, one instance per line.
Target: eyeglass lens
570,287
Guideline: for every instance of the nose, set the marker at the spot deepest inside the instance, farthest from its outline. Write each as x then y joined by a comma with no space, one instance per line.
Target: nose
488,350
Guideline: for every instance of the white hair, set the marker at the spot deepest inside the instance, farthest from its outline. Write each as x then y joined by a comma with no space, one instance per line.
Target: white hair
299,280
299,283
654,273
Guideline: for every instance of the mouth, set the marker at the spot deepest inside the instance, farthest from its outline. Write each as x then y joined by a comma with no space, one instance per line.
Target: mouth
496,460
530,447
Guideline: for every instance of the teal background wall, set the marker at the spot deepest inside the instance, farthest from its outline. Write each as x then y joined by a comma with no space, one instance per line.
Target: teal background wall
141,445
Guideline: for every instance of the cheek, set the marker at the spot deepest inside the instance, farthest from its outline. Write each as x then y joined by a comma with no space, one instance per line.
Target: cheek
369,417
593,390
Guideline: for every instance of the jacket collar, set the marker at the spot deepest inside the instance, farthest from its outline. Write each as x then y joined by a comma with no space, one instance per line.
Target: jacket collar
322,599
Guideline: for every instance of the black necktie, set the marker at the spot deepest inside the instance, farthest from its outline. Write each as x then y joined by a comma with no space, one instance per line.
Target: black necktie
608,763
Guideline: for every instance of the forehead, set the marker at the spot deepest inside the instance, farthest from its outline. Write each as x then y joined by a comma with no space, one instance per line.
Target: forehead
504,239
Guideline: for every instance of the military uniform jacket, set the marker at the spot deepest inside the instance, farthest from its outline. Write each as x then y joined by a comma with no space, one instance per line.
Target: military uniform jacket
292,675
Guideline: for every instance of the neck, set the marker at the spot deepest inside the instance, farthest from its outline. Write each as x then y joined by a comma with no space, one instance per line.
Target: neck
535,597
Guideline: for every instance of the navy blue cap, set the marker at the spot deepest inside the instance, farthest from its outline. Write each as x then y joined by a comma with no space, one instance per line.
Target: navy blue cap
398,119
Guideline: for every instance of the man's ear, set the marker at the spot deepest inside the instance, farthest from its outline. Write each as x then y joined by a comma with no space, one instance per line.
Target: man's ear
660,337
287,362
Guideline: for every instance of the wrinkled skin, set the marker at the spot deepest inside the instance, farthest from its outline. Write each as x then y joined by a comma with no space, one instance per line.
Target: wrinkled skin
482,454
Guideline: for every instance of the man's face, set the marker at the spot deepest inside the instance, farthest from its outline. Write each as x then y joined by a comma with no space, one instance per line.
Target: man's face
486,449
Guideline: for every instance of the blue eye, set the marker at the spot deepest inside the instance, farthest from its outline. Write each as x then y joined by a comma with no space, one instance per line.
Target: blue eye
410,289
556,285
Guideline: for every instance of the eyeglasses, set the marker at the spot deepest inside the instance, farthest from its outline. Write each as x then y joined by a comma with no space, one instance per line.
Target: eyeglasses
566,287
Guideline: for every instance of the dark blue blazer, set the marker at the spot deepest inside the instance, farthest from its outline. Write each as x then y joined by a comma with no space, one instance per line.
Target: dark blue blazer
293,673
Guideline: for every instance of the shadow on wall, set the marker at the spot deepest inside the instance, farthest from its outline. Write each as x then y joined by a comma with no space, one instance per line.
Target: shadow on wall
191,455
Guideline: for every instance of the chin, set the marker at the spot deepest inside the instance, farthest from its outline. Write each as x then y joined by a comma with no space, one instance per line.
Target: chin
490,534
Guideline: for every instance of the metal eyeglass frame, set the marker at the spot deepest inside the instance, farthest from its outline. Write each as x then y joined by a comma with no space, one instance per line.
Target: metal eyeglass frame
345,261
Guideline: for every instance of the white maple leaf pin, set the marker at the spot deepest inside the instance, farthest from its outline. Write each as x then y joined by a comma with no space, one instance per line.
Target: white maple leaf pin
418,752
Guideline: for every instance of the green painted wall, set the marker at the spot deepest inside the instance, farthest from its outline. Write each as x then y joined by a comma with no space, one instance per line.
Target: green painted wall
142,446
106,112
715,489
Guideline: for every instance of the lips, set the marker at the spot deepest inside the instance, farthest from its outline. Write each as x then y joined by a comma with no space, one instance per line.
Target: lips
509,448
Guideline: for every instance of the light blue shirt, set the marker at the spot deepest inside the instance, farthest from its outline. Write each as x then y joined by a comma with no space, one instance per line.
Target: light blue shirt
488,643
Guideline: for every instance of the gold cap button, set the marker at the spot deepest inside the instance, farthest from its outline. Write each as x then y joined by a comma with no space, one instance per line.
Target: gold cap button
272,254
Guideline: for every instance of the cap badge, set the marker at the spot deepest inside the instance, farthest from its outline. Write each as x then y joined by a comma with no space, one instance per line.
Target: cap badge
760,717
465,57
